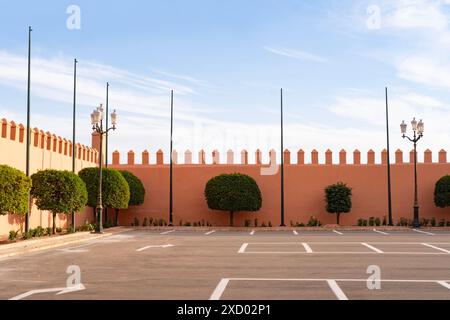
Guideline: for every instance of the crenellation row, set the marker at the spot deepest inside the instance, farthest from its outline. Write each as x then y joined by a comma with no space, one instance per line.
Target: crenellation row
47,141
230,157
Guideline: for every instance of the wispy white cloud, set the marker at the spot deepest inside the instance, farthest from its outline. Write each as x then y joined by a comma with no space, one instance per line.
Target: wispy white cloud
296,54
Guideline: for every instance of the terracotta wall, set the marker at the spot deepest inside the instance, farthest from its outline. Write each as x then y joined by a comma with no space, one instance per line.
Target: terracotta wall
47,151
304,186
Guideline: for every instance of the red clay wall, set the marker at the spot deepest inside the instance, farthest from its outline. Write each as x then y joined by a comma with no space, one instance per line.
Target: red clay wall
47,151
304,189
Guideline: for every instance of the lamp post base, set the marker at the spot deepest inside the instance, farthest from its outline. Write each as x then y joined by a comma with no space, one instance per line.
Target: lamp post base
416,223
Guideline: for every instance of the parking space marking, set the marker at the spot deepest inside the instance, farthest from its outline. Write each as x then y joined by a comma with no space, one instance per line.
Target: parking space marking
252,233
210,232
339,233
167,232
381,232
332,283
218,292
444,284
295,233
437,248
337,290
307,247
424,232
372,247
243,247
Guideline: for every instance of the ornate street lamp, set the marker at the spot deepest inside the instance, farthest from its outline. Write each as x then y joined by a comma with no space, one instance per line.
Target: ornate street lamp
418,130
97,126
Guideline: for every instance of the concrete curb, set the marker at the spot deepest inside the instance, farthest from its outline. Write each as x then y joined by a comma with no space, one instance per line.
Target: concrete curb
330,228
43,244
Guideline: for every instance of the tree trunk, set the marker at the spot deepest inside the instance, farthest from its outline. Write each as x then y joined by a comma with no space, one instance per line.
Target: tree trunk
231,218
94,210
117,217
338,215
54,223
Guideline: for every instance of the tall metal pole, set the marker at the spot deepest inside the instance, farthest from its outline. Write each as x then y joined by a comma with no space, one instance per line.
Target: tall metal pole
282,163
74,125
390,222
416,223
171,162
106,139
27,170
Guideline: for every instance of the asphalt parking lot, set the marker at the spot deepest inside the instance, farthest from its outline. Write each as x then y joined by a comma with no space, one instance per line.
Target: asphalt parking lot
238,265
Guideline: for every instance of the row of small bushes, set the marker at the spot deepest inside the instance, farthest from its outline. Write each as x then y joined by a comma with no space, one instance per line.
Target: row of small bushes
66,192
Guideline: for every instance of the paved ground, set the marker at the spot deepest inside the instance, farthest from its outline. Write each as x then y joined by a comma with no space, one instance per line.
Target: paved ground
237,265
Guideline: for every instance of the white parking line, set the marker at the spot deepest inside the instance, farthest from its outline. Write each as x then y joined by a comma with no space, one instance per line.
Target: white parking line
437,248
337,290
424,232
218,292
332,283
381,232
371,247
340,233
295,233
307,247
252,233
444,284
167,232
243,247
210,232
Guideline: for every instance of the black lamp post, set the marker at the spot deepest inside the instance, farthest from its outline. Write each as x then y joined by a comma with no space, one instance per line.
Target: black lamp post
97,126
418,129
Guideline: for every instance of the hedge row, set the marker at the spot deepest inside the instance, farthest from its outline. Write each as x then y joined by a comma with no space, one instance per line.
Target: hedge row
65,192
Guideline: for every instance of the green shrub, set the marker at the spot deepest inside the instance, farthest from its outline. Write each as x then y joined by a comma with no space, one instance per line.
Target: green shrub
180,224
263,225
403,222
300,225
338,198
86,227
256,222
442,192
137,191
442,223
425,222
13,235
14,189
314,222
187,224
71,229
372,221
136,222
115,189
270,224
385,223
145,223
433,222
377,222
27,235
247,223
58,192
233,193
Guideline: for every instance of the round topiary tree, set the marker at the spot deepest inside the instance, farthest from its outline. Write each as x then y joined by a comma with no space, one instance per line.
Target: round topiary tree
137,190
442,192
115,189
14,189
58,192
233,193
338,198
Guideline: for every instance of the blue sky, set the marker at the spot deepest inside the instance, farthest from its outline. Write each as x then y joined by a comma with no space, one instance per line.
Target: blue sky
226,61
